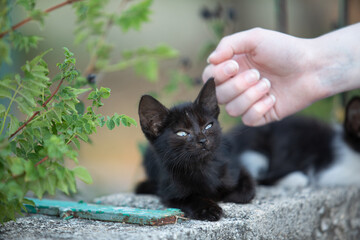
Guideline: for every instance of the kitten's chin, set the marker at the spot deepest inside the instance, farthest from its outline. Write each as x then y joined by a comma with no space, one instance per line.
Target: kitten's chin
204,153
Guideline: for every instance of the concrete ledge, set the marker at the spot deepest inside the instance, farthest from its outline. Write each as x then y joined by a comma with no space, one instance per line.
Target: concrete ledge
276,213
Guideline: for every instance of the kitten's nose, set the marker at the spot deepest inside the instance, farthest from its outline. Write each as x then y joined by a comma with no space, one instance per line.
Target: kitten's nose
202,141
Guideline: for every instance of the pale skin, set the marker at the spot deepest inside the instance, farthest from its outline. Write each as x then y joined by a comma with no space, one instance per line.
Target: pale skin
264,76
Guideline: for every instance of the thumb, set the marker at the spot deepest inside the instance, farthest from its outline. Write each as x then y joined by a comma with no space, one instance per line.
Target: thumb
237,43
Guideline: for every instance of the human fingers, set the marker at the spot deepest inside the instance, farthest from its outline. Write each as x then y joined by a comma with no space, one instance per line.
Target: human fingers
236,85
239,105
261,112
238,43
221,72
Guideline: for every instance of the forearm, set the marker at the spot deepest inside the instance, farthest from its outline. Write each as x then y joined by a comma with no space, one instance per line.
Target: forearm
336,60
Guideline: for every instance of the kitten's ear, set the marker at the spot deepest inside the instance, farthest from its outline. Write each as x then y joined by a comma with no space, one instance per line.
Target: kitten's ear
352,117
207,98
152,115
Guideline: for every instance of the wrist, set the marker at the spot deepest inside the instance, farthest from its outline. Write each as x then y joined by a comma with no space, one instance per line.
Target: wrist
336,61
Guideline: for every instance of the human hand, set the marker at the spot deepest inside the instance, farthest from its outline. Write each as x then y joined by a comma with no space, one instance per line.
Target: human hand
263,75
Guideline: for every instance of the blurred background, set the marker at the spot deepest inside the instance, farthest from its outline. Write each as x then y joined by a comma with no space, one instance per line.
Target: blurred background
193,28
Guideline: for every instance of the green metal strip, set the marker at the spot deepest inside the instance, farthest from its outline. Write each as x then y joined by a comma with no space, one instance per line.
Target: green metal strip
67,209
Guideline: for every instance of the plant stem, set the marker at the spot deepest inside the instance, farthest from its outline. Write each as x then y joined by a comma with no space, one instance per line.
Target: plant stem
38,112
26,20
42,114
70,139
41,161
8,109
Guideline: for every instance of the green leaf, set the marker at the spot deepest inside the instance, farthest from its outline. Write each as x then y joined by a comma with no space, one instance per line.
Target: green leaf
134,16
2,110
38,59
62,186
5,93
55,147
42,171
77,142
16,166
50,184
4,52
166,51
87,128
83,136
13,189
14,124
80,107
30,172
68,53
27,4
148,68
102,121
37,188
105,92
22,42
110,124
71,105
70,180
117,119
83,174
28,202
93,95
128,121
24,106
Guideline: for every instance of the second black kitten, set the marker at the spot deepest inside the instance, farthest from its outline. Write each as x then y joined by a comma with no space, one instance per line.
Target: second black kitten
300,151
187,162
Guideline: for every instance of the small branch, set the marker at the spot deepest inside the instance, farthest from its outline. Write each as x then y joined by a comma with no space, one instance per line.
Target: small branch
26,20
37,112
41,161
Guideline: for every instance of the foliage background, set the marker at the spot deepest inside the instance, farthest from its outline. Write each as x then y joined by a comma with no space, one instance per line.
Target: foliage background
113,158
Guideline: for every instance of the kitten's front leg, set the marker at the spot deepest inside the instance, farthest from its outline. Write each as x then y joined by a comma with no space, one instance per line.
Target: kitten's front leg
198,208
244,191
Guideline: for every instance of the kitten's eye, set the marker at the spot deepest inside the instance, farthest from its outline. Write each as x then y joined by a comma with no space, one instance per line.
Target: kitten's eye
181,133
208,126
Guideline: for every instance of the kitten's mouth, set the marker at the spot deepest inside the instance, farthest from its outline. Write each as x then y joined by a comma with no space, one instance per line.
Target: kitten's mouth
205,149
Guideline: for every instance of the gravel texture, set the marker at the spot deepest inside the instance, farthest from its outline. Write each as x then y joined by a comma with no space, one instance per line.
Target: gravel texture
275,213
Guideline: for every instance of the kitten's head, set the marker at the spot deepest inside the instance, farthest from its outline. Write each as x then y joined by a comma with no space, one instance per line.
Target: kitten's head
352,123
189,129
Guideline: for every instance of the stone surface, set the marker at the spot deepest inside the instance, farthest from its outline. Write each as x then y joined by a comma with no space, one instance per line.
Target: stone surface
275,213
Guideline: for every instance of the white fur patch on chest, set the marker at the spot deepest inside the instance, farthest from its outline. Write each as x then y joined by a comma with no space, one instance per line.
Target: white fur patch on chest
346,167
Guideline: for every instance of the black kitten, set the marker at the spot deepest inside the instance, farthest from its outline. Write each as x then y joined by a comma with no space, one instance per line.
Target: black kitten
299,151
187,162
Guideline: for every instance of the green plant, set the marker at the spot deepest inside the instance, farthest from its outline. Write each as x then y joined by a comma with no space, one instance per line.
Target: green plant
33,151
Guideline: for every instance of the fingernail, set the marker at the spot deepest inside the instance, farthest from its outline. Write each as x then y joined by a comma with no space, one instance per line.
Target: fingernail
210,56
263,85
253,76
231,68
270,100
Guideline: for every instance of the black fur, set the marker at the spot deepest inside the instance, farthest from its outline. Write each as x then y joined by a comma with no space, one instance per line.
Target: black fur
352,124
298,144
293,144
195,171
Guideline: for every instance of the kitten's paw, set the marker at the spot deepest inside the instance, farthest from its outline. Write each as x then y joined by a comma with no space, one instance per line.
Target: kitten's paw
210,213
